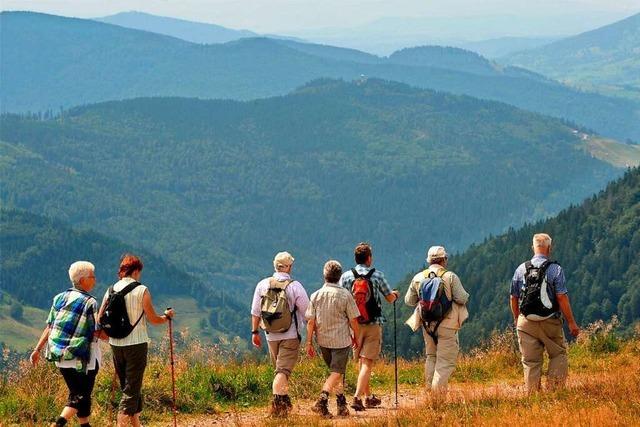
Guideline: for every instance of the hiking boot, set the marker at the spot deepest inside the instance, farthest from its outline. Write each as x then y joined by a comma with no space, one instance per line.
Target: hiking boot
372,401
322,408
357,404
287,401
343,410
279,408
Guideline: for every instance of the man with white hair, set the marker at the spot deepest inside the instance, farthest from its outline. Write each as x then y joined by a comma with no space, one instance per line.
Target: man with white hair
539,296
440,337
279,305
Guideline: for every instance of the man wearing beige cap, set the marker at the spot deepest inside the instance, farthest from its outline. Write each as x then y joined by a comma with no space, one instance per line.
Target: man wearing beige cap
441,337
279,305
538,297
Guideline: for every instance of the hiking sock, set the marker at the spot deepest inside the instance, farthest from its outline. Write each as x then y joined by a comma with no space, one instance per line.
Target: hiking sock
324,395
61,422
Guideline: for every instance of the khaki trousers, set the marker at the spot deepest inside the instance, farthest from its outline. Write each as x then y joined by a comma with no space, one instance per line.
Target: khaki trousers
441,358
534,337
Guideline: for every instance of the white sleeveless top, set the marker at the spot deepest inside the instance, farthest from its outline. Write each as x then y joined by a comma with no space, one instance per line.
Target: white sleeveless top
133,301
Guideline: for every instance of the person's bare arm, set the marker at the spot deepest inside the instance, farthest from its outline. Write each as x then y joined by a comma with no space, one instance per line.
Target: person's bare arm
515,308
35,355
256,340
565,308
311,329
150,312
353,323
392,297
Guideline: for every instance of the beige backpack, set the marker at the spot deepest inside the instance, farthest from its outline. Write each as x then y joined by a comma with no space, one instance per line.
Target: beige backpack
276,315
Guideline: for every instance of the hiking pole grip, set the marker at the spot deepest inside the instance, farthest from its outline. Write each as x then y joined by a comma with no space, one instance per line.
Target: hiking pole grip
173,375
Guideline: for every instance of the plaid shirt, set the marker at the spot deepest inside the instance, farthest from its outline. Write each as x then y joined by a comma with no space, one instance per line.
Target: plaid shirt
72,324
380,286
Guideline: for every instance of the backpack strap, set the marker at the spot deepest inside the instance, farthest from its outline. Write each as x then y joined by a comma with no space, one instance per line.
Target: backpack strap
356,275
369,274
131,286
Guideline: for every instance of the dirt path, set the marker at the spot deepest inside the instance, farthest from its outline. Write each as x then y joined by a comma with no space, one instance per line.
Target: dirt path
408,398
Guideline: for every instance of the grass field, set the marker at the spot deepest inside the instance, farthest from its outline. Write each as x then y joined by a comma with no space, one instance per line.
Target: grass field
614,152
217,387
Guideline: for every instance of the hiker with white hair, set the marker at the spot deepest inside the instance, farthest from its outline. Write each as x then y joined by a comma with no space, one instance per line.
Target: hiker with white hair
279,305
441,302
539,298
71,342
333,320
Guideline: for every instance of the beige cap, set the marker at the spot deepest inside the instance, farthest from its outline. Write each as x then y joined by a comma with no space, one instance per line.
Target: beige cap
282,259
436,252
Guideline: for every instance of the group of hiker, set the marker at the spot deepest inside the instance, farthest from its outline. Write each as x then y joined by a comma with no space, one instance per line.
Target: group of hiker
344,317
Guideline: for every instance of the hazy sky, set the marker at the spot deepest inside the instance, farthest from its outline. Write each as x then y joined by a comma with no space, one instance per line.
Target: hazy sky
295,16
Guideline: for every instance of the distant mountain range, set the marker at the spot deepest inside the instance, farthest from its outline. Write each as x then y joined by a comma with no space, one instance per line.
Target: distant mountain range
51,62
218,187
390,33
608,56
200,32
502,46
195,32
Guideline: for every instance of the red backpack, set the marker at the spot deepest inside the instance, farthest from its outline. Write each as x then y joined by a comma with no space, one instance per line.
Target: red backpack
362,291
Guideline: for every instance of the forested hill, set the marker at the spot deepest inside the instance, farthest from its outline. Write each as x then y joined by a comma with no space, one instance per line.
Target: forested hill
37,252
221,186
605,56
49,62
597,244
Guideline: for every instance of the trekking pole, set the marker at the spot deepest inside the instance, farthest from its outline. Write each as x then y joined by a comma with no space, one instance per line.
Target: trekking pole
395,349
173,375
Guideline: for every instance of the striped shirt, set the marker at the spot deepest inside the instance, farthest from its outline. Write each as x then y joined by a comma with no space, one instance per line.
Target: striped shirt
72,324
332,307
380,286
133,301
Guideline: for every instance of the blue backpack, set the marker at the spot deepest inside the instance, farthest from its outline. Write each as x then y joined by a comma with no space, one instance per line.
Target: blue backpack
434,304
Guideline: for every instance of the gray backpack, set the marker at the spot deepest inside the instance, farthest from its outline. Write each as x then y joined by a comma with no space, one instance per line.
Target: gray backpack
276,315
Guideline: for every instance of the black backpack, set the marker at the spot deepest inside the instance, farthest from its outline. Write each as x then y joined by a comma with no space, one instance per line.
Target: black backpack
535,303
115,319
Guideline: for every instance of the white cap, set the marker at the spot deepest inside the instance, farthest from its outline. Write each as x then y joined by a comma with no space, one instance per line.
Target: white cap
436,252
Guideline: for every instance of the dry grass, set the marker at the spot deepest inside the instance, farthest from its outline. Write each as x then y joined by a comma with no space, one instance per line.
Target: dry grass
216,386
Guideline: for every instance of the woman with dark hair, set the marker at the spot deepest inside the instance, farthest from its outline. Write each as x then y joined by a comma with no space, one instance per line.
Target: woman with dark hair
130,352
71,342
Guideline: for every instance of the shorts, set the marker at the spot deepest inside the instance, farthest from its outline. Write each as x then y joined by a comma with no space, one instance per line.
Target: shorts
284,354
336,358
369,341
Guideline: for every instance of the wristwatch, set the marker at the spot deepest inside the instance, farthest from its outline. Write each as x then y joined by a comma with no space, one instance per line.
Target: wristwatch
255,332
